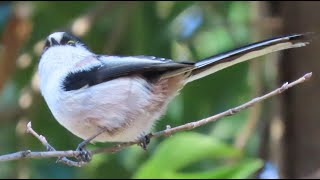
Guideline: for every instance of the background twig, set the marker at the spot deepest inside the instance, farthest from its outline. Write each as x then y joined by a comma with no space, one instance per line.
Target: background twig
14,36
62,158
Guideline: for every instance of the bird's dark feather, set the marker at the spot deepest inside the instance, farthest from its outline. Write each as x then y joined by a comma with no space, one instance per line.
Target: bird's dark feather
149,68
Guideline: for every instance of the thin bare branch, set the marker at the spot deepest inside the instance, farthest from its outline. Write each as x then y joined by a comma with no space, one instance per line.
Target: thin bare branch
42,154
233,111
195,124
60,154
118,147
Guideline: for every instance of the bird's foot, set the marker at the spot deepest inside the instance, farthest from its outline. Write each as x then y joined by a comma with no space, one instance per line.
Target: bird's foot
84,155
144,141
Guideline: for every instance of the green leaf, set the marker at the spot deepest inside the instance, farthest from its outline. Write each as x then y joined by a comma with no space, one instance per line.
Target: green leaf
241,170
246,168
180,151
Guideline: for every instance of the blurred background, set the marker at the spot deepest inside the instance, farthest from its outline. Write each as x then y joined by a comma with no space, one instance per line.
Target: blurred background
276,138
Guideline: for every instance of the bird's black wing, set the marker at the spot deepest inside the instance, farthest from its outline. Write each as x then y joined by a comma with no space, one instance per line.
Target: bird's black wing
112,67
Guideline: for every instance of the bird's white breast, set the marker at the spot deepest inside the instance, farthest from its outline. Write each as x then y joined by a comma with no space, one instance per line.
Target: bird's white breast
127,107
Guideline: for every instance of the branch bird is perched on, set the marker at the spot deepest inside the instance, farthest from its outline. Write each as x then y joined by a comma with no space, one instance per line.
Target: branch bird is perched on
118,98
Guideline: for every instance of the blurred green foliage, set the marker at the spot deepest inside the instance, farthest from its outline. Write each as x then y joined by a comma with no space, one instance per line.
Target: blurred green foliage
178,156
185,31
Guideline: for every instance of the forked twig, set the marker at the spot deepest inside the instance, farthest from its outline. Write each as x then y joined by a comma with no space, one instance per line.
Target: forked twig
62,155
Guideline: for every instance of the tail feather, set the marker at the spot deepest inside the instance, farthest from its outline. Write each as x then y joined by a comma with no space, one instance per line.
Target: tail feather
218,62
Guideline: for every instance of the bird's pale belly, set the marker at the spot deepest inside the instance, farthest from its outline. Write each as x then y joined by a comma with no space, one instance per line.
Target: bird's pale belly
126,110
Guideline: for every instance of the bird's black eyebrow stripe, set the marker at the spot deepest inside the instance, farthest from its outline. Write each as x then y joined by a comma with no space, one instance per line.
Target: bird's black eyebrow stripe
47,44
54,42
64,40
69,36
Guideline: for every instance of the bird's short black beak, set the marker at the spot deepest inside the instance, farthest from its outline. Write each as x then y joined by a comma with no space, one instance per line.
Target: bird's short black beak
54,42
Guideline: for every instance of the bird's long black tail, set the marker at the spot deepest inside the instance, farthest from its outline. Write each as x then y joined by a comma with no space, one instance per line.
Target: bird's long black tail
218,62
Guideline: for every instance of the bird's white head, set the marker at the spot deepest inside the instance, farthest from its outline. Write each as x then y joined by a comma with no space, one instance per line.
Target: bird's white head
60,54
62,39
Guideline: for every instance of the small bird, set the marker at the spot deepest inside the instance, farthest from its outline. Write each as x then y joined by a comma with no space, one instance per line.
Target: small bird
105,98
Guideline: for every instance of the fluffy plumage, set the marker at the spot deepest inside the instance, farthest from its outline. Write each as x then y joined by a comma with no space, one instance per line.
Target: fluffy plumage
124,96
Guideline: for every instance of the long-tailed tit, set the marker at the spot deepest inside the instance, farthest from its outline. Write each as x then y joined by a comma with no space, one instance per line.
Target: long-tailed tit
108,98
